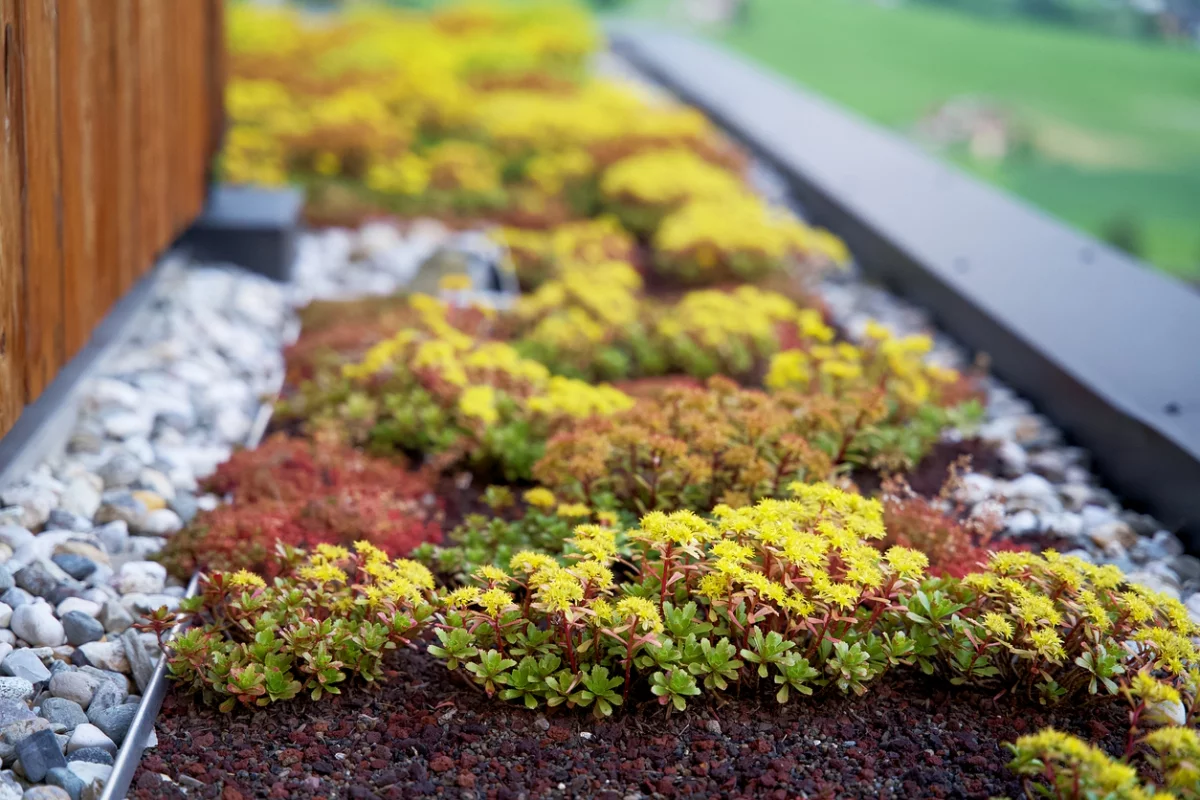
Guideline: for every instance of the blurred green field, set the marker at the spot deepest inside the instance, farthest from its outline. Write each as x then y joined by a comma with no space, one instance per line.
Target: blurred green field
1114,124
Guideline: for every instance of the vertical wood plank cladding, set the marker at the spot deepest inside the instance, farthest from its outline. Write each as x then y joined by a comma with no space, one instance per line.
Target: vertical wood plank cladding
216,57
103,25
110,118
81,267
127,155
196,75
152,191
12,221
42,196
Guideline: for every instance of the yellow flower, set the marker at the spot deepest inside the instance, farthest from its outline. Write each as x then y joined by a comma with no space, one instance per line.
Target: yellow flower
844,595
1150,690
369,553
798,604
573,510
714,585
479,402
560,593
415,573
1138,609
331,552
593,572
529,562
1048,644
494,601
246,578
641,609
876,331
454,283
595,541
732,551
907,562
998,626
322,573
491,574
1036,609
539,498
462,597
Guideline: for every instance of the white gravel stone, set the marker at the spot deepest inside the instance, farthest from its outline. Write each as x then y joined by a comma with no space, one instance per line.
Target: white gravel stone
1034,493
89,607
111,392
106,655
1114,532
76,686
35,623
15,689
88,735
89,772
145,577
126,424
162,522
80,497
1064,523
1023,522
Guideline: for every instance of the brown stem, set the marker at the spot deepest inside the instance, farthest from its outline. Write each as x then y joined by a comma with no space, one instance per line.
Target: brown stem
662,590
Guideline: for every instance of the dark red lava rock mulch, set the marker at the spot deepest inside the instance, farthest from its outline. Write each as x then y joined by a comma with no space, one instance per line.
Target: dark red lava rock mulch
423,735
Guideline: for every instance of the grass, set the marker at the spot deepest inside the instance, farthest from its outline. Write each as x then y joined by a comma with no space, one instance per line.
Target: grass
1116,123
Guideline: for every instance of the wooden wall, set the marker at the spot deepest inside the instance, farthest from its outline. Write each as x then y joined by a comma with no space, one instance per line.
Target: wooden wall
111,116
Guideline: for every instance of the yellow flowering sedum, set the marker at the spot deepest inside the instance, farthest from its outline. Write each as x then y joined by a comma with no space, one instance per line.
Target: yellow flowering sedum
433,387
726,236
539,497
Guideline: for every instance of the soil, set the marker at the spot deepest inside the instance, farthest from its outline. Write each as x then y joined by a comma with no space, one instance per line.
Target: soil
423,734
928,476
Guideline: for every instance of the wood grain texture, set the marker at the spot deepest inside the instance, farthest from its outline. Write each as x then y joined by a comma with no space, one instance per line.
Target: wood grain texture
42,196
103,24
109,110
127,155
80,227
152,191
12,222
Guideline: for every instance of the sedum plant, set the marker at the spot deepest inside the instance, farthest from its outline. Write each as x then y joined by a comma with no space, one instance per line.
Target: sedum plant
595,326
541,255
888,402
329,616
1051,628
786,594
436,391
302,494
1161,760
540,523
740,238
685,447
792,595
644,188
